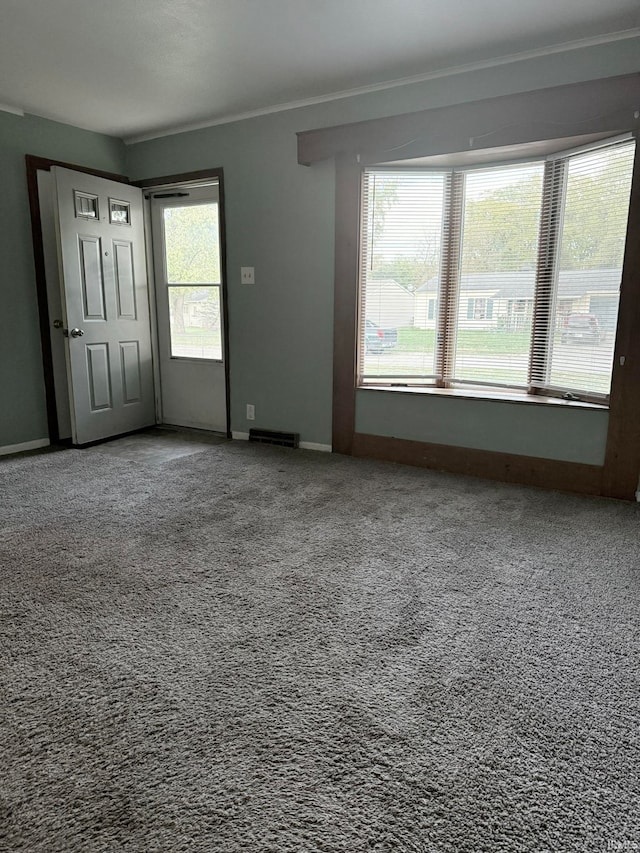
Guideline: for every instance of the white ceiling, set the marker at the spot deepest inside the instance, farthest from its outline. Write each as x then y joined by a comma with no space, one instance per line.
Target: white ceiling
140,67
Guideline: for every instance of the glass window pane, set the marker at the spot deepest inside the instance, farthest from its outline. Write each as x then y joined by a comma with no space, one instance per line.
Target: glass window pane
400,273
500,227
119,212
86,205
195,322
192,250
590,269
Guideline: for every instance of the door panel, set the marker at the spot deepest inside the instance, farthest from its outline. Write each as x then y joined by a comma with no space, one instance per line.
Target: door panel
92,278
105,305
188,276
99,375
125,284
130,364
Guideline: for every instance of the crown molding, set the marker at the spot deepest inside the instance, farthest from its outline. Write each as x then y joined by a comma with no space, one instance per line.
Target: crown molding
450,71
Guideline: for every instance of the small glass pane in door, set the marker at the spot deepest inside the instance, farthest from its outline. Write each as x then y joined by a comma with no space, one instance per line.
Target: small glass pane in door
195,322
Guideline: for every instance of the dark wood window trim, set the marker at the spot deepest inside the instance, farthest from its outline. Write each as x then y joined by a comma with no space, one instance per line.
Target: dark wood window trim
33,166
622,460
505,467
604,106
181,178
618,477
492,395
216,174
345,334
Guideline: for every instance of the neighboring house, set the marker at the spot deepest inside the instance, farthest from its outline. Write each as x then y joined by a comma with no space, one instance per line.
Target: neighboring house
504,300
389,303
197,310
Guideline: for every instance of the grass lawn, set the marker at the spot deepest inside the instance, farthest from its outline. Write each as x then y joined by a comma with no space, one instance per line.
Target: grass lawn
506,355
196,335
469,340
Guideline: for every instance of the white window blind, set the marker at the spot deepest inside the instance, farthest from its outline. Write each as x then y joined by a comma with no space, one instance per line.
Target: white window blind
401,249
505,275
489,328
587,202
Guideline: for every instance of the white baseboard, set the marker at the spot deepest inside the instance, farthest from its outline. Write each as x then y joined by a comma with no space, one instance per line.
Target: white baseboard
6,449
304,445
312,445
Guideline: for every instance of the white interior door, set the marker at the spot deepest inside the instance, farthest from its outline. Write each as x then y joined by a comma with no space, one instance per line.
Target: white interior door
188,280
105,305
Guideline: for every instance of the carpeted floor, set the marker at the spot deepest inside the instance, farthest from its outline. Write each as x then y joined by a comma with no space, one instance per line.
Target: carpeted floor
274,651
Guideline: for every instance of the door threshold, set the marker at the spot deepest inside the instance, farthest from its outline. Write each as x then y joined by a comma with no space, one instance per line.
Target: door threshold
194,431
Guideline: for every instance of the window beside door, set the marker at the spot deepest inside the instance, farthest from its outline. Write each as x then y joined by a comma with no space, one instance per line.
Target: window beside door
192,271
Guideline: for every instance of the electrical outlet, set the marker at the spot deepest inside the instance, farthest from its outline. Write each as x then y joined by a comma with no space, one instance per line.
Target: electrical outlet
251,412
247,275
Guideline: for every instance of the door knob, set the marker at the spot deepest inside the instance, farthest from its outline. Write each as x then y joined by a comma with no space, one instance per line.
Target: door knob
76,333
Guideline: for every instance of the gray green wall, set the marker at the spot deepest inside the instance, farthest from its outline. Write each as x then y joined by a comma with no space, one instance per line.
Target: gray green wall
22,408
280,219
552,431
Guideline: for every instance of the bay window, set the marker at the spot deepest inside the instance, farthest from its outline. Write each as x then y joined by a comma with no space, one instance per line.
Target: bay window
501,276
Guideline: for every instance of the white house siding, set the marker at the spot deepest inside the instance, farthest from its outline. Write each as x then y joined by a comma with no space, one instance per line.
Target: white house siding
387,303
422,310
512,294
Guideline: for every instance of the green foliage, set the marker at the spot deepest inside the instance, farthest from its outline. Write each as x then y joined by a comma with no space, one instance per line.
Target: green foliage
593,236
493,341
192,244
385,195
501,229
409,272
192,253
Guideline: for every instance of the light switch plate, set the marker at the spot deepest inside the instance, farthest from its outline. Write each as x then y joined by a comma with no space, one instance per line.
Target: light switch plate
247,275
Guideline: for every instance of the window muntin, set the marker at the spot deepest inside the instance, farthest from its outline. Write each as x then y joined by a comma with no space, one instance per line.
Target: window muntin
498,306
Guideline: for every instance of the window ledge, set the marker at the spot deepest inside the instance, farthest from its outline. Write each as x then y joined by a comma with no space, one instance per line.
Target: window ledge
493,394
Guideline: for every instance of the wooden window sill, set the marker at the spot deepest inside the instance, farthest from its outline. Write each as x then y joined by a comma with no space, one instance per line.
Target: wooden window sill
492,394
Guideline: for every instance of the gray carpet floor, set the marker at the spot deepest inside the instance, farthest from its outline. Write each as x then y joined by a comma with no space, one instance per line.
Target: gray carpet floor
276,651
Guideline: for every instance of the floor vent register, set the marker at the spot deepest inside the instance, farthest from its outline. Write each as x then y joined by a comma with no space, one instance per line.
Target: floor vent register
268,436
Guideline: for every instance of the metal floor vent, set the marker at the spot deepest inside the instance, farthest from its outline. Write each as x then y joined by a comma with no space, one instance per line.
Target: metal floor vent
269,436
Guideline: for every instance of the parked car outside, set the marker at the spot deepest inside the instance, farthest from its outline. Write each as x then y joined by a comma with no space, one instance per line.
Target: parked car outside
379,339
581,328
